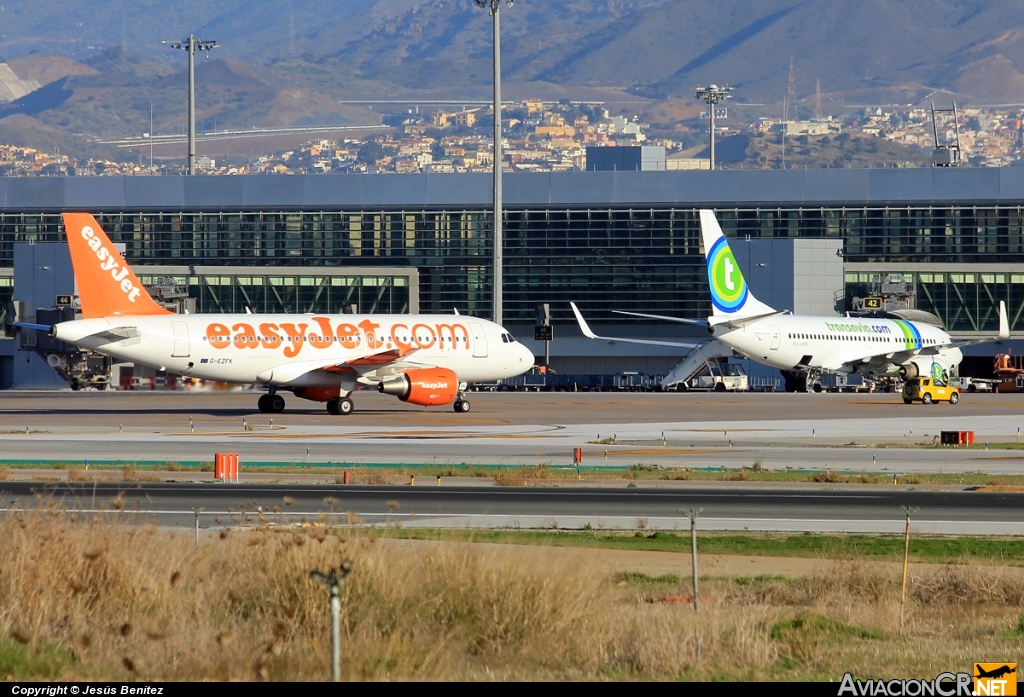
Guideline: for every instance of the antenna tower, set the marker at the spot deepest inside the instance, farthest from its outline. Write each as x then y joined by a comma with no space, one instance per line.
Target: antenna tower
817,100
946,154
790,91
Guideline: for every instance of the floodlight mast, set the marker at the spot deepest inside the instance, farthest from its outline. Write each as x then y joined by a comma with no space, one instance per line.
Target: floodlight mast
494,7
192,44
713,94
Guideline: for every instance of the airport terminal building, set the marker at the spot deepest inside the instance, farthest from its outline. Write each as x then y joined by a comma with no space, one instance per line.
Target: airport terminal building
953,237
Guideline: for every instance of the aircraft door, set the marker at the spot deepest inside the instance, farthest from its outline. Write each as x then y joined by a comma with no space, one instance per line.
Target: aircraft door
180,330
479,340
776,337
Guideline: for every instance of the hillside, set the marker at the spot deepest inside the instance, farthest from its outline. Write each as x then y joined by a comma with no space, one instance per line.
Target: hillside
870,51
813,152
230,95
284,64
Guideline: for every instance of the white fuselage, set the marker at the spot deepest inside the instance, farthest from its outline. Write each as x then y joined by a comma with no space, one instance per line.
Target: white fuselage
294,350
835,343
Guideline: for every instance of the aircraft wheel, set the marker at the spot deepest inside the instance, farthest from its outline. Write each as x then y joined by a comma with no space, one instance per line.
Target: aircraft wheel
954,398
263,404
927,399
461,406
345,406
275,402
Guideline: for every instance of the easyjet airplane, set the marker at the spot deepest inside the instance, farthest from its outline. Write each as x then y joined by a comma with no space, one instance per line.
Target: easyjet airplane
802,345
421,359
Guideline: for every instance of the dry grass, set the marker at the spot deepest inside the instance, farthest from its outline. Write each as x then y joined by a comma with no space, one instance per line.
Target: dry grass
5,474
96,599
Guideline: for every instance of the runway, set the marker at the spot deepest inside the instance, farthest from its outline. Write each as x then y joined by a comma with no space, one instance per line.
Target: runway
854,433
870,433
722,507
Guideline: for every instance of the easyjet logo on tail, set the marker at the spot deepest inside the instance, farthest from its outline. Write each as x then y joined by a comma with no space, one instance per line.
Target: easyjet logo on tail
108,262
106,284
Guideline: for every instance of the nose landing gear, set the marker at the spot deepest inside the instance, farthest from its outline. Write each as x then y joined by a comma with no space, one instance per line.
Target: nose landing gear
461,404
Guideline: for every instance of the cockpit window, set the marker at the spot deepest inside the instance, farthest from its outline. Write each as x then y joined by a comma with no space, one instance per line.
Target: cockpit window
507,338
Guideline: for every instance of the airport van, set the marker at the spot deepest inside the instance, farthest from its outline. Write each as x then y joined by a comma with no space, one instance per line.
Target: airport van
929,390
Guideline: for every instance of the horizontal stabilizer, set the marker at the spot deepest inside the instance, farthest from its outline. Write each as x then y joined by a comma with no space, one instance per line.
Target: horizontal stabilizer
726,321
30,325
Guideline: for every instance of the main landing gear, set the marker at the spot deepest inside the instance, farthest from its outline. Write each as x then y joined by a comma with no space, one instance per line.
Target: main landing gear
340,406
271,403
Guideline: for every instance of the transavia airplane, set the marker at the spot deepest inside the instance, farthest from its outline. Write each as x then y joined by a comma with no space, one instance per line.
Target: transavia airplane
421,359
802,345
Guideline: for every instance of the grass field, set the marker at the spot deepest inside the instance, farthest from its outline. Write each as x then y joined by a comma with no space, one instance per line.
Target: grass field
84,599
511,475
960,550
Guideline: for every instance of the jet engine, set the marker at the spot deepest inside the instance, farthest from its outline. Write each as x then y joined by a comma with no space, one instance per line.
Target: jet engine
426,387
925,366
317,394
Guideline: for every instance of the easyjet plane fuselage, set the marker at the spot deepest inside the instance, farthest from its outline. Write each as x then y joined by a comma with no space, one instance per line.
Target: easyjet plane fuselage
286,350
829,343
421,359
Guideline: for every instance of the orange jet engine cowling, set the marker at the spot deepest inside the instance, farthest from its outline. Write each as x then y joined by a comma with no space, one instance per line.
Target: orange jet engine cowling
428,387
317,394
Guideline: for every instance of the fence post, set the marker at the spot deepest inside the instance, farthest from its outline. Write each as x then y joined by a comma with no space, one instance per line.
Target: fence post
692,515
197,511
906,554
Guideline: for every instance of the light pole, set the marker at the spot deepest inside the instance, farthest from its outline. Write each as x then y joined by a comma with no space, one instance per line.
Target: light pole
713,94
192,44
494,7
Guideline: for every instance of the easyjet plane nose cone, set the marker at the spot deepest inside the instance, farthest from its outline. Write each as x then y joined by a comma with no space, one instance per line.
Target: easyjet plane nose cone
526,358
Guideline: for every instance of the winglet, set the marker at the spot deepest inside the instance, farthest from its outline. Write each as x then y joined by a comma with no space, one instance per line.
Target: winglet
584,327
1004,324
107,286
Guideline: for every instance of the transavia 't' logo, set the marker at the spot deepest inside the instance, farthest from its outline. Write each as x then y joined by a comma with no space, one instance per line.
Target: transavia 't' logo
728,289
937,371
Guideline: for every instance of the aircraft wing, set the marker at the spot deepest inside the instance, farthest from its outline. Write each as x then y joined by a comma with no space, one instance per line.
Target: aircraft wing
587,332
373,360
1004,333
681,320
901,357
288,372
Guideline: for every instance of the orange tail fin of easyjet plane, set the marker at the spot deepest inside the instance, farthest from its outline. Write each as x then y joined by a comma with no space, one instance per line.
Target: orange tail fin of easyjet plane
106,284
